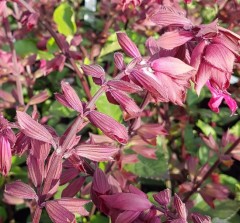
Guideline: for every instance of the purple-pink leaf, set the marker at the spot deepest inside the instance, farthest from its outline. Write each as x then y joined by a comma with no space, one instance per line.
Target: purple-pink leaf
126,103
71,97
68,175
95,152
5,155
198,218
128,45
171,66
95,71
180,207
168,17
124,86
163,197
100,183
74,187
58,213
33,129
74,205
127,216
126,202
52,174
20,190
39,98
35,170
216,55
170,40
109,126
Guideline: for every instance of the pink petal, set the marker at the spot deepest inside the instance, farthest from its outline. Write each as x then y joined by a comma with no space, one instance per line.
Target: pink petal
20,190
72,97
170,40
135,190
97,153
62,100
126,202
152,46
118,61
33,129
5,156
127,45
216,55
180,207
39,98
211,28
7,96
58,213
73,188
202,76
171,65
37,215
197,54
74,205
109,126
124,86
144,151
232,104
150,82
214,103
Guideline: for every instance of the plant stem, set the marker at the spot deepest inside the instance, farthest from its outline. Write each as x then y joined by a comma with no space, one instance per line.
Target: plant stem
61,47
209,172
142,106
16,69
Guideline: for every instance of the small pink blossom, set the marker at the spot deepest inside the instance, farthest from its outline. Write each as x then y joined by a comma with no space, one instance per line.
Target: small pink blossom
218,96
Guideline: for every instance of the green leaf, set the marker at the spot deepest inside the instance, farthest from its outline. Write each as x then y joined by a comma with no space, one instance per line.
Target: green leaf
58,110
206,129
224,210
3,213
189,139
110,46
64,18
98,218
25,47
52,47
228,181
149,168
16,160
235,130
104,106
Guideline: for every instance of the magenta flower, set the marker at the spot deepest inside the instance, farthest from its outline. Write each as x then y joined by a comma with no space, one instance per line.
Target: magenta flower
218,96
7,140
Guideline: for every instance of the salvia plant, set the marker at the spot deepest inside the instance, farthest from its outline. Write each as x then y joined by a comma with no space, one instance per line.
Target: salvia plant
119,111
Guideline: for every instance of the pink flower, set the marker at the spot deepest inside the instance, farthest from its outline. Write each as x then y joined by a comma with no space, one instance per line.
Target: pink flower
7,140
217,98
